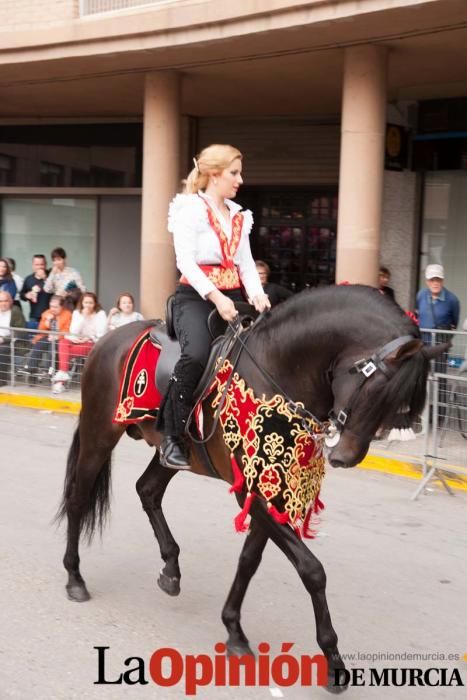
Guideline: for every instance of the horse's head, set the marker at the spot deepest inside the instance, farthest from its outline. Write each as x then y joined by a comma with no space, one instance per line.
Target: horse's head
368,393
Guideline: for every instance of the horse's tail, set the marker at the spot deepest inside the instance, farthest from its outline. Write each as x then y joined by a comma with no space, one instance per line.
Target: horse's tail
96,508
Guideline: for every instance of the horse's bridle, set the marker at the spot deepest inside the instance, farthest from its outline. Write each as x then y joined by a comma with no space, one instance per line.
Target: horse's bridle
364,368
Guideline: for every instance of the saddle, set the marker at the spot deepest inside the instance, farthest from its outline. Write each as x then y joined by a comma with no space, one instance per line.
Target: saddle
163,337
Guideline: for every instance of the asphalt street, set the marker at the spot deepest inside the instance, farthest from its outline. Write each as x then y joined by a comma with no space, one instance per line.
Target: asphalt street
396,577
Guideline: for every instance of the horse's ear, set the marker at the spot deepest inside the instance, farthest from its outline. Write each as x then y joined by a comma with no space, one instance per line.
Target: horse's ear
432,351
405,351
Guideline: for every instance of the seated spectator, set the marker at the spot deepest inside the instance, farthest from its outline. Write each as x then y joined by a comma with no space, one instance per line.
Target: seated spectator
56,319
62,279
7,283
10,317
18,281
88,324
33,290
123,312
384,277
275,292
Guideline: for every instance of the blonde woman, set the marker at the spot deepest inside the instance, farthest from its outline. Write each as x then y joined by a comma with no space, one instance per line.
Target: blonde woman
212,248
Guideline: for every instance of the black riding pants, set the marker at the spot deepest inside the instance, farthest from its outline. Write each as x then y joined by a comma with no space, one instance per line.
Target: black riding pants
190,315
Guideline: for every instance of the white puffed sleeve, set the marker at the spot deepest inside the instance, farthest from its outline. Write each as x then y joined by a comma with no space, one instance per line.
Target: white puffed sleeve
187,215
246,265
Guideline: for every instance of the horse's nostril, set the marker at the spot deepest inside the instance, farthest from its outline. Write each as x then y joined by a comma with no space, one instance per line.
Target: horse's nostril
336,463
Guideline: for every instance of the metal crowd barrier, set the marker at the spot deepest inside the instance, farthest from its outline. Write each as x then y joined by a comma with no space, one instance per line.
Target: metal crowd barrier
19,367
444,423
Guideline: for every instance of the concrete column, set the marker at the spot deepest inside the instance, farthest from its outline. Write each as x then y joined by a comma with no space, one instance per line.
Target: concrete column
161,180
361,164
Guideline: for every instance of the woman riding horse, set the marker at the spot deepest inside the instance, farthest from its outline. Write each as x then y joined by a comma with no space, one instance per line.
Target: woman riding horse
211,240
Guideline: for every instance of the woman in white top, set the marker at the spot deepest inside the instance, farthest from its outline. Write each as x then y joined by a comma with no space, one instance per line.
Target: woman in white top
88,324
123,312
212,247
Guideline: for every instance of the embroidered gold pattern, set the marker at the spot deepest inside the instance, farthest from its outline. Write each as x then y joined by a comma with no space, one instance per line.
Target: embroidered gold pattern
280,459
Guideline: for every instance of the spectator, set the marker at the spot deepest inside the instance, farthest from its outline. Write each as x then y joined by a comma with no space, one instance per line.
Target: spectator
10,317
7,283
123,312
384,277
88,324
18,281
33,290
56,319
275,292
62,279
438,308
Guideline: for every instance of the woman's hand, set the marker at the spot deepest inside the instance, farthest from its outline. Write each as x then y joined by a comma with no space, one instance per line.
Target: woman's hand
261,303
113,311
224,305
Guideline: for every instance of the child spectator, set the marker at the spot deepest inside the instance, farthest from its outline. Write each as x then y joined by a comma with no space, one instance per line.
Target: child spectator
56,319
88,324
123,312
384,277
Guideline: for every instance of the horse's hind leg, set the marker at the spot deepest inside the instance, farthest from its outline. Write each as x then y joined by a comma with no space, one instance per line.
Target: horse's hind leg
250,559
151,487
313,576
85,502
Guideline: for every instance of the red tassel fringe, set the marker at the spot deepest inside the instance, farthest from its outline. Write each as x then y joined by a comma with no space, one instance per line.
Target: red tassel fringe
239,479
317,507
281,518
239,520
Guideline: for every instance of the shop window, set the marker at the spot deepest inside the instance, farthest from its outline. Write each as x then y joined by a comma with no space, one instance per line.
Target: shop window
51,175
7,170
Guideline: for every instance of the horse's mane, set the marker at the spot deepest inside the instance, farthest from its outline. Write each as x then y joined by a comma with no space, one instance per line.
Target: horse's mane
346,305
357,315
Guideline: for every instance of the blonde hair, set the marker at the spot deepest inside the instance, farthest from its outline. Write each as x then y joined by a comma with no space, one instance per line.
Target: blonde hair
211,160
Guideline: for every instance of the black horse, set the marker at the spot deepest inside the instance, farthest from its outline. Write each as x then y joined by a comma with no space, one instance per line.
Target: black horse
348,353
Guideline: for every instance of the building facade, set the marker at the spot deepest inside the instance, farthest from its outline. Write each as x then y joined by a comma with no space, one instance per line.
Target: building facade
352,119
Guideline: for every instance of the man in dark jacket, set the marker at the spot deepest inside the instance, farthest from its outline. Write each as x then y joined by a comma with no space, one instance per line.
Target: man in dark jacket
33,290
275,292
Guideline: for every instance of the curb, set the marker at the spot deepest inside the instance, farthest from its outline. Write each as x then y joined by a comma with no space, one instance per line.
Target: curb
385,465
41,403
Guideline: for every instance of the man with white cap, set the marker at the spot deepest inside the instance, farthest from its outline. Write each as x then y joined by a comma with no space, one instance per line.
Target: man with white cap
438,308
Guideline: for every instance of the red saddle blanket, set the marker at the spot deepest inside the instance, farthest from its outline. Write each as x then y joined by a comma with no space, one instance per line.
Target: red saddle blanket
138,397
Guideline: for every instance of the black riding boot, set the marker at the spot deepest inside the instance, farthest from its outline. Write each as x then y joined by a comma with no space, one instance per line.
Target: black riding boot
173,449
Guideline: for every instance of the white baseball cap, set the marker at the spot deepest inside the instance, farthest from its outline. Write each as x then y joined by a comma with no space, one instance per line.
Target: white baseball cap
434,271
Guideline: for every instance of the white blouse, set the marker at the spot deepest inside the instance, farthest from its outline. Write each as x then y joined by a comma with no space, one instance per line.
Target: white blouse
94,326
196,243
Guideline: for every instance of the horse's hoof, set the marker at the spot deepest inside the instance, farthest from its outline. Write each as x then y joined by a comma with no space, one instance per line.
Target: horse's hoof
169,584
239,650
78,594
332,686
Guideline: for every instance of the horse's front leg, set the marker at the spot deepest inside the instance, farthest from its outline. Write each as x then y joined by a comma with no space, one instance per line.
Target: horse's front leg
151,487
250,559
312,574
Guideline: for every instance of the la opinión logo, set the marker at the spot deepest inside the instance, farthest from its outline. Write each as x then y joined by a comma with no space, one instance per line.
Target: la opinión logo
167,667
